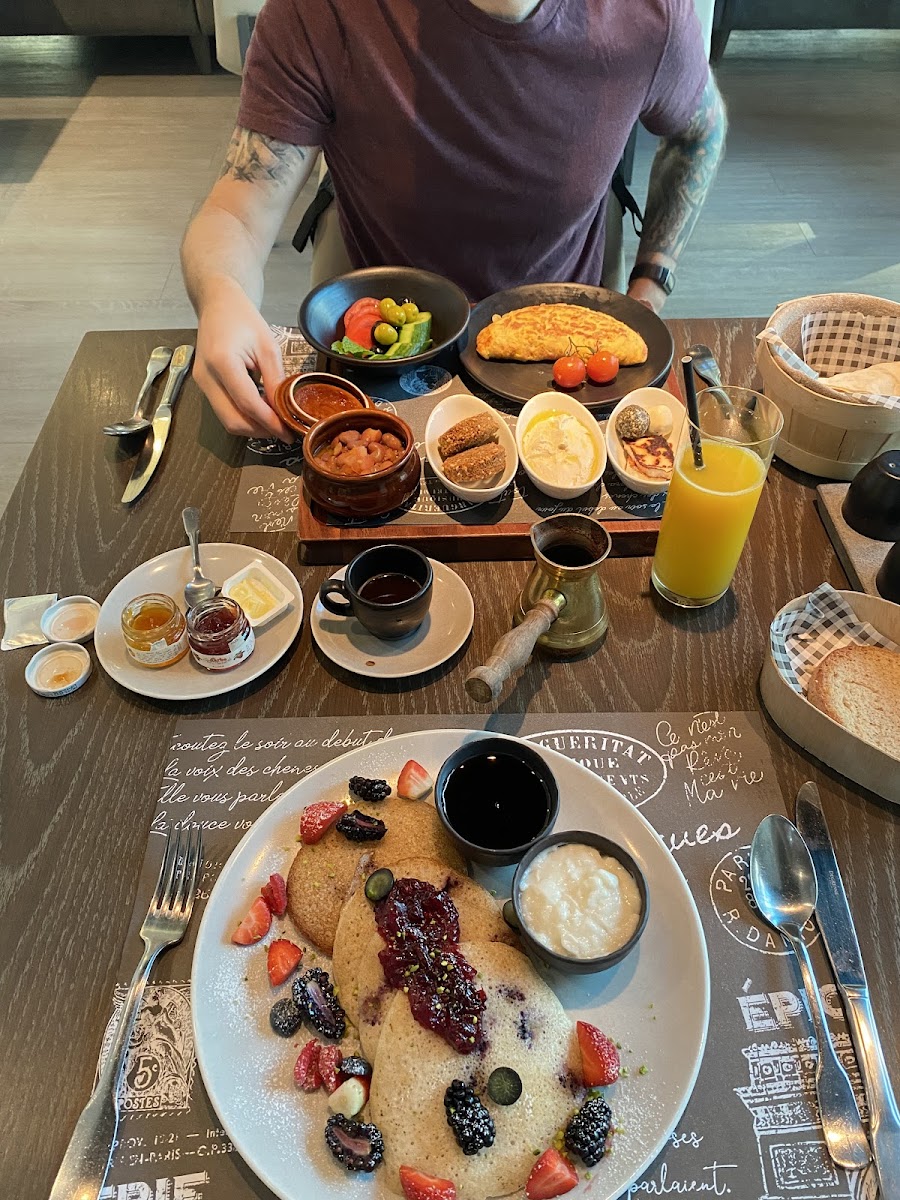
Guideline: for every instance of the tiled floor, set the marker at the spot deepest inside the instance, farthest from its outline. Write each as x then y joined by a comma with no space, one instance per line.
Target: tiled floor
108,146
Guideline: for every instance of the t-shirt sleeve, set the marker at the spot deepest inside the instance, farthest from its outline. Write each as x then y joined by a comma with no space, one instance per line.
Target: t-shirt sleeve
284,91
681,74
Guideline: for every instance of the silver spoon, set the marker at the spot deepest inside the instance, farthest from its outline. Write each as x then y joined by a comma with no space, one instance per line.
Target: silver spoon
784,887
159,360
198,588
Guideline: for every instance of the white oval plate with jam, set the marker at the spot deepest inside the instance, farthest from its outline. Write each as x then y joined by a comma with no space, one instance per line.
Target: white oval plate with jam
655,1002
168,573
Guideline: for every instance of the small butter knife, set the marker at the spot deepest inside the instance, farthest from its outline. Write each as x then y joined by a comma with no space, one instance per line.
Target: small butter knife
155,443
836,923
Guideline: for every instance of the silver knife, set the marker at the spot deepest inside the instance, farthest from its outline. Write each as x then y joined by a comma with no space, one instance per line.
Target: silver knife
836,924
155,443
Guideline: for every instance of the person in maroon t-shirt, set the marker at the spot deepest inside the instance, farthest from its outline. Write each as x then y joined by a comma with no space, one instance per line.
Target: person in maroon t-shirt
475,138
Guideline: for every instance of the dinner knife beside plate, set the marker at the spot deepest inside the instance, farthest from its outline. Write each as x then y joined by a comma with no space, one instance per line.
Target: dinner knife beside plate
839,935
155,442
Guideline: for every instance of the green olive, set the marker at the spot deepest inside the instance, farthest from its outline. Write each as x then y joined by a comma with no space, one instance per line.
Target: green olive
387,306
384,334
395,315
411,310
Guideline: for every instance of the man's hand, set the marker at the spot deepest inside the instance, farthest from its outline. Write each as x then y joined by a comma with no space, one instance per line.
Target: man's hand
647,292
233,340
223,254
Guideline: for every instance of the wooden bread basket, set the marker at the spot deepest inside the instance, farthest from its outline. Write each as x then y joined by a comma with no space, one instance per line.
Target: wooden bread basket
819,734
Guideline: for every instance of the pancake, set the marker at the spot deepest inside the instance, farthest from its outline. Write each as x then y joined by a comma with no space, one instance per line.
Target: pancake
545,332
526,1029
321,875
480,920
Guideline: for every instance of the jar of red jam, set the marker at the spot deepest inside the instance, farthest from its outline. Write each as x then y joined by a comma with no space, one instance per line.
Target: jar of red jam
219,634
153,627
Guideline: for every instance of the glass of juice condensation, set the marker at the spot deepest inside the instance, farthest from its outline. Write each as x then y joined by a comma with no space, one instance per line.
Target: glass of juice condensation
709,509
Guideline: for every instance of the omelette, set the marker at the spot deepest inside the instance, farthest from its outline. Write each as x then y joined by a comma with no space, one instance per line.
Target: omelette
545,332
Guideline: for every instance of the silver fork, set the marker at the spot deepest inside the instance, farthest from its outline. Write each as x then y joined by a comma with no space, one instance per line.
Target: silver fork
87,1159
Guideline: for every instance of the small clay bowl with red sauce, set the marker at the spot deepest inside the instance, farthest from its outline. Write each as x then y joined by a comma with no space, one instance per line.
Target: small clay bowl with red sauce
303,400
360,495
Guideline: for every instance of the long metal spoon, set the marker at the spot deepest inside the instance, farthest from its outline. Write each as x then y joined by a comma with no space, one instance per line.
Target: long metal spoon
784,887
159,360
198,588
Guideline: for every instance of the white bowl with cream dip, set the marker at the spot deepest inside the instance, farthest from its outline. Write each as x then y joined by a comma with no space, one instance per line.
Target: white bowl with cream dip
580,900
560,445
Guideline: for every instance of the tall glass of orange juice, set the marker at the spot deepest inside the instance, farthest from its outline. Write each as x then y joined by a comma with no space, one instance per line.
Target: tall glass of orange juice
709,508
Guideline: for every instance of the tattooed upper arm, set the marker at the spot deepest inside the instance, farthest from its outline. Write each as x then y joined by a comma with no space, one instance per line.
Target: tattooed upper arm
255,158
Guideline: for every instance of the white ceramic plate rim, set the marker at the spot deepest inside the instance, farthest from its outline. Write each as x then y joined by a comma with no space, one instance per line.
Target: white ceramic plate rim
637,483
562,403
435,427
205,686
441,571
253,857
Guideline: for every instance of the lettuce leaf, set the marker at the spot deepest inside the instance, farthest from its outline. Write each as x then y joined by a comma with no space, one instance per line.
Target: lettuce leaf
348,346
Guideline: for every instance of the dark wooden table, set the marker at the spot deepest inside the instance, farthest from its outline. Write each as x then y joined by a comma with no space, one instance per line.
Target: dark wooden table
78,775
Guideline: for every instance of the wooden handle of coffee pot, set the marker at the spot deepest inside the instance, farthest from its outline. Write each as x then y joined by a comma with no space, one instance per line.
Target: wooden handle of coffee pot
514,649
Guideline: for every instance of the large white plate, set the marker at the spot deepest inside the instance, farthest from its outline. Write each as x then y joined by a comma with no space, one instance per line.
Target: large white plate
655,1003
168,573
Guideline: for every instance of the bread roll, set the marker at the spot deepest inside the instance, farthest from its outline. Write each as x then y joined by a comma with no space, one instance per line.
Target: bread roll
859,687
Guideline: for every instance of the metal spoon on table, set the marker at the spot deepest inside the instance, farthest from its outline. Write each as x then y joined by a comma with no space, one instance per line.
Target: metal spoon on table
159,360
707,368
198,588
784,887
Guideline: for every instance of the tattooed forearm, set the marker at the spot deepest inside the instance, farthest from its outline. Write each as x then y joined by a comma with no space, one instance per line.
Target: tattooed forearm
254,158
682,174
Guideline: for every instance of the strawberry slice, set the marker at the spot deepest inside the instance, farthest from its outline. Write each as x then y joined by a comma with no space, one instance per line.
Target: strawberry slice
282,960
414,782
275,895
330,1067
317,819
418,1186
306,1068
255,925
599,1056
552,1175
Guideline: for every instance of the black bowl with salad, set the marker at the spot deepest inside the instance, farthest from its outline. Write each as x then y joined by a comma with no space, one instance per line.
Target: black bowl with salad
384,318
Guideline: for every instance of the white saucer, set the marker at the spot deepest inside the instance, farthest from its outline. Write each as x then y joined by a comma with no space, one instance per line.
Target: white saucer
168,573
447,624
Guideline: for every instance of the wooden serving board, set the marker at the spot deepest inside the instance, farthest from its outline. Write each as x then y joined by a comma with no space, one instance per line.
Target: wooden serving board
464,536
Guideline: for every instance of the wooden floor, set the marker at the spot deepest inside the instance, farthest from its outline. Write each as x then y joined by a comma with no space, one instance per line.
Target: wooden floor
107,146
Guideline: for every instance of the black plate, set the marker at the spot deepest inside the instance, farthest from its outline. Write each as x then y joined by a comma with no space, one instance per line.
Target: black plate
520,381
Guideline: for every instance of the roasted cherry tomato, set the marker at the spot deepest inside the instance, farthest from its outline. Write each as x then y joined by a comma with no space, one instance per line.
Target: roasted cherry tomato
570,371
602,367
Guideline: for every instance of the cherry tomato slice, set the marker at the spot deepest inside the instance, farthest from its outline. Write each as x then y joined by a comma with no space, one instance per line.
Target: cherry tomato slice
570,371
602,367
360,328
364,304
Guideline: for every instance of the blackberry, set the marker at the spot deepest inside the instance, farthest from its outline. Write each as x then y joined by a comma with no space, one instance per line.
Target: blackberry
358,1147
588,1130
359,828
370,790
314,996
356,1066
472,1124
286,1017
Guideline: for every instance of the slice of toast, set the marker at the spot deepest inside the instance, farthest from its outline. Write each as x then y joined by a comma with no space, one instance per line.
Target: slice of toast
859,687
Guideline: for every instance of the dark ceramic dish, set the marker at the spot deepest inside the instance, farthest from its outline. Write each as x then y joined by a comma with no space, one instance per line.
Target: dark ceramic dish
499,788
322,311
289,398
385,619
872,503
581,966
360,495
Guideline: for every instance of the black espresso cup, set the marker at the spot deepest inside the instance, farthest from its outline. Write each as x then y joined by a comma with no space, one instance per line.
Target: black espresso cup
872,503
387,588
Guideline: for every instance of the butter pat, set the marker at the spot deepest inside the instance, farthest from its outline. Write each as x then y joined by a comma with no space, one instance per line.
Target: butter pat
558,448
258,592
578,902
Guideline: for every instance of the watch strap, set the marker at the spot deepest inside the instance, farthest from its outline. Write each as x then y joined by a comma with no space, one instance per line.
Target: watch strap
659,274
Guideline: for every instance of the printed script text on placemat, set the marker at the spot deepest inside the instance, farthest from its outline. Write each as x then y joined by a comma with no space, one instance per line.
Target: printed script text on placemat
703,780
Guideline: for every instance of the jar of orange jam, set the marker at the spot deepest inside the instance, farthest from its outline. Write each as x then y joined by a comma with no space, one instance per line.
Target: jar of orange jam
155,631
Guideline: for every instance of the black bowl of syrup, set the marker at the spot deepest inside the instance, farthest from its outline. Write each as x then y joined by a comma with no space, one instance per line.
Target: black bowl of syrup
496,797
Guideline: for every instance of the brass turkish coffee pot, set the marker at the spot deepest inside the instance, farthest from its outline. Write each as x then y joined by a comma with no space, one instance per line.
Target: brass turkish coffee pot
561,608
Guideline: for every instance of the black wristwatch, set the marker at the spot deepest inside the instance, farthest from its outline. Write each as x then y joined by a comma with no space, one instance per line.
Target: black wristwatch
661,275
